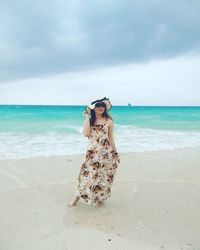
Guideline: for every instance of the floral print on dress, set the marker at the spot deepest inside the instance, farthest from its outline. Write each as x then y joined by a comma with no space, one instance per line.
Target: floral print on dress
98,168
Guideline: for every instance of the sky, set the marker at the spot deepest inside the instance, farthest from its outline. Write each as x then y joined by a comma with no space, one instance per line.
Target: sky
145,52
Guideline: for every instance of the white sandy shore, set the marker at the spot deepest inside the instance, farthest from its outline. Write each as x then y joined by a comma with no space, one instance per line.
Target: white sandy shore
155,204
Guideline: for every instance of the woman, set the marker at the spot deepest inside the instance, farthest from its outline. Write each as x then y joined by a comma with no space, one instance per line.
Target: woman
101,160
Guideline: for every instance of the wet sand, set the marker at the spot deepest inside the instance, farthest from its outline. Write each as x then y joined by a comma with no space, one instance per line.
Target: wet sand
155,204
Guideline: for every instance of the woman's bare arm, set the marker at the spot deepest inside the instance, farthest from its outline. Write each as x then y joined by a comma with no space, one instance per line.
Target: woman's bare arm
86,128
110,134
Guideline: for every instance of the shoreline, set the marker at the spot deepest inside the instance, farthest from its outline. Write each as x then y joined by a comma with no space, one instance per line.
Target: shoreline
81,155
154,204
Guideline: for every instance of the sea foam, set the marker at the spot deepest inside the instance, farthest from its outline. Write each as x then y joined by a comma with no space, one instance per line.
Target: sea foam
127,139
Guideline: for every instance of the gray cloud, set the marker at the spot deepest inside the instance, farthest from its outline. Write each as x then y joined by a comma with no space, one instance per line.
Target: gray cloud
42,37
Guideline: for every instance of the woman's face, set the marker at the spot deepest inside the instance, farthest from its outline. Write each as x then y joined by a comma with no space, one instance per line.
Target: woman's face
99,108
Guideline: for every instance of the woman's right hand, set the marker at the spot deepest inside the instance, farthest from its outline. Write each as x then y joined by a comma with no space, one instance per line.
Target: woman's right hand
86,114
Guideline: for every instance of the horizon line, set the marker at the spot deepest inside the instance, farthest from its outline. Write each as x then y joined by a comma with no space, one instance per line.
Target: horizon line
79,105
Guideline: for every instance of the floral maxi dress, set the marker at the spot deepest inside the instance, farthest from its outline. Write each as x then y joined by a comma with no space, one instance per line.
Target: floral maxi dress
98,168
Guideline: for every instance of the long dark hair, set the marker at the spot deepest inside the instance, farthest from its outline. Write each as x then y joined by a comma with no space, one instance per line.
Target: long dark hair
93,116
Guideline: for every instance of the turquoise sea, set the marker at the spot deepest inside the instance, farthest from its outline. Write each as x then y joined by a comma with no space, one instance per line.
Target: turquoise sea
29,131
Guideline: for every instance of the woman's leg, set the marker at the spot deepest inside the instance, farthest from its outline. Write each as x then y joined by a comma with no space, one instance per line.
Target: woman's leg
73,201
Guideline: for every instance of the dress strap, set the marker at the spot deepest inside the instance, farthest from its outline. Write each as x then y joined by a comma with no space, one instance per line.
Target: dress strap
106,122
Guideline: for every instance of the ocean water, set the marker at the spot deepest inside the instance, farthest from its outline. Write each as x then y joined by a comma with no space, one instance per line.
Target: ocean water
30,131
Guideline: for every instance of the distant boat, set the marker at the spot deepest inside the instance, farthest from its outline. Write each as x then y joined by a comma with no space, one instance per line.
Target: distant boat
129,104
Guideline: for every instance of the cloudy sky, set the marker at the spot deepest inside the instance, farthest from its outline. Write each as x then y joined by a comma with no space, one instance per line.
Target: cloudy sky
71,52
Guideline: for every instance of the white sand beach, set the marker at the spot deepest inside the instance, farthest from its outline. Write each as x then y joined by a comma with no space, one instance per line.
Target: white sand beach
155,204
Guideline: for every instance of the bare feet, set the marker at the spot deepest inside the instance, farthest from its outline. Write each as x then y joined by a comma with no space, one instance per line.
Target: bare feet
73,202
100,203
